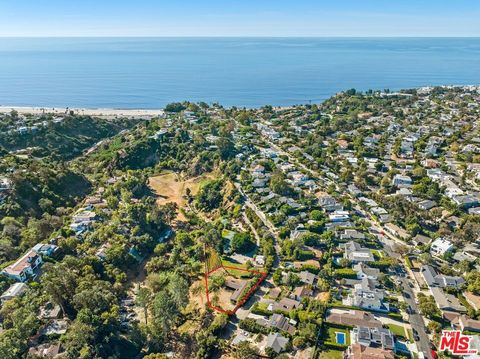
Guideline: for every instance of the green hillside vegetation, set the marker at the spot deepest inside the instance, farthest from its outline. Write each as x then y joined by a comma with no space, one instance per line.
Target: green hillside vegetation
64,140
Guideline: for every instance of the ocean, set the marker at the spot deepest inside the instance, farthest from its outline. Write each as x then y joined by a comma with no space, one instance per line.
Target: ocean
252,72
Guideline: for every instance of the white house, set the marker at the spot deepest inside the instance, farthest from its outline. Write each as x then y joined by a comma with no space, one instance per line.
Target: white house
400,180
24,267
441,246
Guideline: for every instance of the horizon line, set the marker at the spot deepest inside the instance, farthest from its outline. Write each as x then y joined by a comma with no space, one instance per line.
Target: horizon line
245,36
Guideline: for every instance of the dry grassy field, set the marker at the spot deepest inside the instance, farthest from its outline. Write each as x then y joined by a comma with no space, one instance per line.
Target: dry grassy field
170,188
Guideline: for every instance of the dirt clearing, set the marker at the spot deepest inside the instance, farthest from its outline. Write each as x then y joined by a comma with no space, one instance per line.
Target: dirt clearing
170,188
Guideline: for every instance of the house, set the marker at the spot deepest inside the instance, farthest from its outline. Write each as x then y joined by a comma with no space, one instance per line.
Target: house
307,277
259,260
474,210
464,256
50,311
258,171
353,190
339,216
446,302
441,246
351,234
378,211
401,181
5,184
274,293
365,295
427,204
466,323
364,271
24,267
397,231
466,201
239,338
285,304
301,292
472,299
84,216
299,231
328,203
376,337
355,253
48,250
15,290
282,323
258,183
352,317
55,327
454,222
276,342
359,351
430,163
433,279
436,174
419,240
47,350
238,286
83,220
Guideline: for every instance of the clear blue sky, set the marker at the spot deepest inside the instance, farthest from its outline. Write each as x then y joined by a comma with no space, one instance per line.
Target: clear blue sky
239,18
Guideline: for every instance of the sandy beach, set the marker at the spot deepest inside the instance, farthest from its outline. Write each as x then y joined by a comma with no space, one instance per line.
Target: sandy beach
101,112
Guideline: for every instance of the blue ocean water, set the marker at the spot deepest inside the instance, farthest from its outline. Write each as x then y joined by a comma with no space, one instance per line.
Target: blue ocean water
150,72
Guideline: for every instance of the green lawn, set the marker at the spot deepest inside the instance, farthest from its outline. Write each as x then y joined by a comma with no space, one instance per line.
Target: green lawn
332,337
331,354
227,234
236,273
410,335
397,330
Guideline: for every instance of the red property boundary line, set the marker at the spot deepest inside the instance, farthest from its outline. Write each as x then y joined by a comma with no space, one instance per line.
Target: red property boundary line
244,299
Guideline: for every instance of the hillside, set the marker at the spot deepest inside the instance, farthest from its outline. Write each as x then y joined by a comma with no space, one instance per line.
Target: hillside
62,138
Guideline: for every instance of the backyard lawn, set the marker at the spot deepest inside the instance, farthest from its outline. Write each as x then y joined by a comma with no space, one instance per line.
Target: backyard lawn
397,330
331,336
331,354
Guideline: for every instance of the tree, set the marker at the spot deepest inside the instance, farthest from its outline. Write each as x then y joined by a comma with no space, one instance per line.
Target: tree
143,301
242,243
168,212
427,306
226,148
277,276
279,185
210,195
60,284
79,340
434,327
473,282
245,350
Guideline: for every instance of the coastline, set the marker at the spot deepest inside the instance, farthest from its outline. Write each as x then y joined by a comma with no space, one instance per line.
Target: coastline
106,112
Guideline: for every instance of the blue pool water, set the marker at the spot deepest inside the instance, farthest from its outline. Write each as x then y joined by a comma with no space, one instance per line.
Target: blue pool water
340,338
150,72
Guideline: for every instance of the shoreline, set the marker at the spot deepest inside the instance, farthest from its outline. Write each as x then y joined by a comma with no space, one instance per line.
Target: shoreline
37,110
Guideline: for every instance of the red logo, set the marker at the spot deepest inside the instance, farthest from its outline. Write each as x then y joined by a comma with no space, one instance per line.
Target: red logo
456,343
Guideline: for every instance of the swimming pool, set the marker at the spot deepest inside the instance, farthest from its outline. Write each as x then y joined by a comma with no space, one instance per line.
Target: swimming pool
340,338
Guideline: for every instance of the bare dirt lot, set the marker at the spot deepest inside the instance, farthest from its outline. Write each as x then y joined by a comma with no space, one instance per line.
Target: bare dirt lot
171,188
